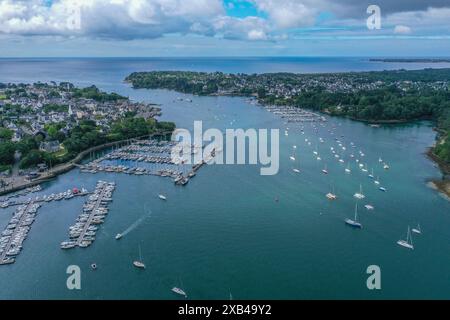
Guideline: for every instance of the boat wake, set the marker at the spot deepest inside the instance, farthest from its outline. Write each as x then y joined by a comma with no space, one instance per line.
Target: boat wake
136,224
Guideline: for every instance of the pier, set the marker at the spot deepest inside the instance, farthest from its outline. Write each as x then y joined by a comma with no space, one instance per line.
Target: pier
82,233
157,153
295,114
69,194
16,232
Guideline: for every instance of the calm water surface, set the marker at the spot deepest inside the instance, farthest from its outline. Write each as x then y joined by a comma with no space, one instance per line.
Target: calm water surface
224,232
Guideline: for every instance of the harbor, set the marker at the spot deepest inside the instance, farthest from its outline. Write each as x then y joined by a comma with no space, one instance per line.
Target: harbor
23,217
146,157
66,195
295,114
82,233
16,232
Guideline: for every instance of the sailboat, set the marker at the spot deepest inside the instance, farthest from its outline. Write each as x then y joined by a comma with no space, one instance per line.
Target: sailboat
371,175
162,197
377,181
118,236
331,195
296,170
417,230
138,263
354,223
347,170
179,291
408,242
292,157
324,170
359,195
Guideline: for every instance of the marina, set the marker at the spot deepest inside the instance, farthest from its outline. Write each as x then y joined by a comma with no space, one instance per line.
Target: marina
148,157
95,210
295,115
16,232
66,195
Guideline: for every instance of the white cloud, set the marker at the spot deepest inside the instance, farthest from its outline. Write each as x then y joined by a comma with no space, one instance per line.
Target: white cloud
290,13
148,19
400,29
107,18
250,28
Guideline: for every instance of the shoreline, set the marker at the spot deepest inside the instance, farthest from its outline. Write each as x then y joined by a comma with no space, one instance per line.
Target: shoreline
442,185
66,167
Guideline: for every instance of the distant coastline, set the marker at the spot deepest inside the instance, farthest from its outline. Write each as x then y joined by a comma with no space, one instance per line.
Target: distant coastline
410,60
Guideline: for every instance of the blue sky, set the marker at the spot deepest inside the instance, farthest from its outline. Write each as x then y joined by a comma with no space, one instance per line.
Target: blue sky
36,28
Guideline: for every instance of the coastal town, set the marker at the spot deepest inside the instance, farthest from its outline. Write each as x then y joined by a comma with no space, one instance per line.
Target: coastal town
47,124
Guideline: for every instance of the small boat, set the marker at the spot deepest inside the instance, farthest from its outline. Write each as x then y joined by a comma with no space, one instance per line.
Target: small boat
359,195
386,166
417,230
408,242
348,170
377,181
324,170
371,175
94,266
369,207
354,223
296,170
118,236
179,291
331,196
162,197
138,263
292,157
382,189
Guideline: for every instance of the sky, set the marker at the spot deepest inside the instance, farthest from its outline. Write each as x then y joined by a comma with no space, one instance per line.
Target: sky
175,28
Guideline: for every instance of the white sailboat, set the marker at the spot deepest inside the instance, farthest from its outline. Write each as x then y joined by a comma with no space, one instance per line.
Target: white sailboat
138,263
331,195
348,170
295,169
377,181
371,175
408,242
359,195
162,197
354,223
417,230
292,157
324,170
179,291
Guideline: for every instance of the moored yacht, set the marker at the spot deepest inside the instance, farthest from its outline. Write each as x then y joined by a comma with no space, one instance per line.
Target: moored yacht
417,230
408,242
359,195
354,223
179,291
